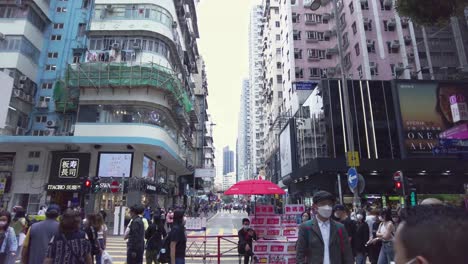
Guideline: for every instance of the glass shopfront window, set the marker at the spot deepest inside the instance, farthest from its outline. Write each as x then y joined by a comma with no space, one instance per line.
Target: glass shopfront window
127,114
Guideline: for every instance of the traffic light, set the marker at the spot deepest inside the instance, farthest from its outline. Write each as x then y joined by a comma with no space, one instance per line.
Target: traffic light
398,187
86,185
96,184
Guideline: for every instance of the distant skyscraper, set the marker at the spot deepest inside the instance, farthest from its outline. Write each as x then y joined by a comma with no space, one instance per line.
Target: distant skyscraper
228,160
244,141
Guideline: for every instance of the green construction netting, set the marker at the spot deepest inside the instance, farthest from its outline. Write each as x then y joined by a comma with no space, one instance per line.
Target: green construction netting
65,98
121,74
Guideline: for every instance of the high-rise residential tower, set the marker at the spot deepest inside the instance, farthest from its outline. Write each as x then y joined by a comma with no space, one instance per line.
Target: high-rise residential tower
228,161
244,140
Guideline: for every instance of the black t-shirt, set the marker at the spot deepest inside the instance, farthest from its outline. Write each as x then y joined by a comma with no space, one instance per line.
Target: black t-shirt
177,234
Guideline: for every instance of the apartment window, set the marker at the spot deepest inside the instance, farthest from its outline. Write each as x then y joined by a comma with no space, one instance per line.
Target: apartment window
365,5
371,46
297,54
41,119
56,37
313,18
278,37
390,49
315,35
368,25
280,95
354,28
34,154
44,99
351,7
52,55
81,29
32,168
374,70
277,24
356,48
293,2
345,40
58,26
359,70
76,57
278,65
47,85
315,72
276,11
295,18
297,35
347,59
279,78
289,75
85,4
299,72
278,51
385,7
38,132
316,53
61,9
50,67
342,19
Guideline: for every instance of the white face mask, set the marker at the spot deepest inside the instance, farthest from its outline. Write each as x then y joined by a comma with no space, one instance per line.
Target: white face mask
3,223
381,219
337,215
325,211
359,216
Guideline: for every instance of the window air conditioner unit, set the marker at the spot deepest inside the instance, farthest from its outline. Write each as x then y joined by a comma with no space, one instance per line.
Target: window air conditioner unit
49,132
21,86
2,37
370,42
136,46
23,78
16,93
116,46
411,55
174,24
51,123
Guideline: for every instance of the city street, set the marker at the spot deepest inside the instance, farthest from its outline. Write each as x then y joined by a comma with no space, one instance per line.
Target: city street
223,225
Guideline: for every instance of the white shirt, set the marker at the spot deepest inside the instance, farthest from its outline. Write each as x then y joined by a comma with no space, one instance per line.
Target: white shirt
325,230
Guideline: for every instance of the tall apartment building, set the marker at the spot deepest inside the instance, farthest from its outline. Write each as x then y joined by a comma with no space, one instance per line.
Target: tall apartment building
244,140
228,160
256,89
377,44
121,91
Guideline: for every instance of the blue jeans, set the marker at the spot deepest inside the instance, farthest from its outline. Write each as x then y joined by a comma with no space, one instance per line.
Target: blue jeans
361,258
386,253
180,261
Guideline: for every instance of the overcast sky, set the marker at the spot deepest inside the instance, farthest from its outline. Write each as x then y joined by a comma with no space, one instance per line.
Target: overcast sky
223,43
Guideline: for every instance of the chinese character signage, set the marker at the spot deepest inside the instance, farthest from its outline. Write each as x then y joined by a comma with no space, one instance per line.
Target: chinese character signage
66,169
428,109
458,107
69,167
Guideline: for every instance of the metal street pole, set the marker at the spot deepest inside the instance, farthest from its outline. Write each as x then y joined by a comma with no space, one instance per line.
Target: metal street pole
121,202
347,109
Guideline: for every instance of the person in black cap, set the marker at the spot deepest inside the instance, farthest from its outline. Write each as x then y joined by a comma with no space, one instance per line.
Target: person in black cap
341,215
322,240
246,237
39,235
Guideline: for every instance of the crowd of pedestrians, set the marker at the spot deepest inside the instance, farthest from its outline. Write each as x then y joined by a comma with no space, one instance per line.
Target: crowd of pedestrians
71,238
429,233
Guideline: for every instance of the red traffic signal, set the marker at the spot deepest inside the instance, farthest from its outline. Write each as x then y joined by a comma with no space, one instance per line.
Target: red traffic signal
398,185
87,183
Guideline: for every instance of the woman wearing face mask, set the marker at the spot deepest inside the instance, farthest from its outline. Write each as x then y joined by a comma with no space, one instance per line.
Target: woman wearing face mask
8,242
385,233
305,217
360,238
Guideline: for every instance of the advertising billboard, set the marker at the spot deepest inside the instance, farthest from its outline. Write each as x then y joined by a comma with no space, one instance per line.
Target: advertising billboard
427,111
115,164
66,169
285,151
149,168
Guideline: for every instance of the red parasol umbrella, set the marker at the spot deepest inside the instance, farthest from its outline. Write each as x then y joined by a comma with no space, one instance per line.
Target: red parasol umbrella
254,187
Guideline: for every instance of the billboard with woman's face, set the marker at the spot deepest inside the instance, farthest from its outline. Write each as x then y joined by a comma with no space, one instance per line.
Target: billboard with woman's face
426,111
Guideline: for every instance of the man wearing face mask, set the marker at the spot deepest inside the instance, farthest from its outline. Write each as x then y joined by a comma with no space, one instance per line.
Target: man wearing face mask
246,237
322,240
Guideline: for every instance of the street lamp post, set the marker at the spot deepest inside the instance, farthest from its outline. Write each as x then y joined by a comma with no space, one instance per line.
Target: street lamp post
315,5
